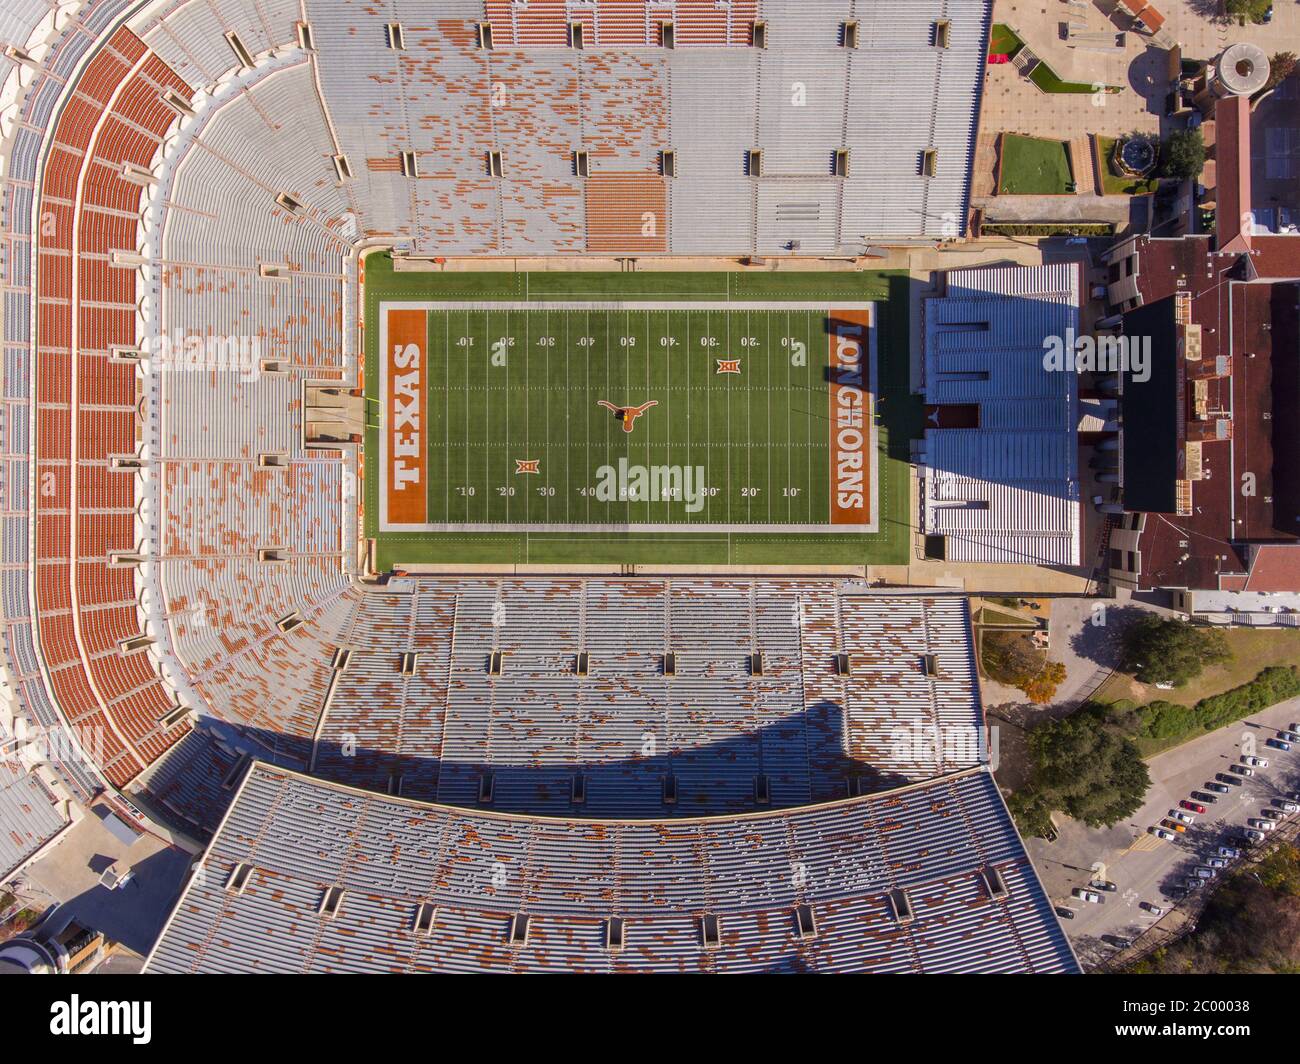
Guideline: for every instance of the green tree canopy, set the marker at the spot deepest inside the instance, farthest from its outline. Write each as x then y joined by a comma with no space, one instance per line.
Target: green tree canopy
1087,768
1183,154
1168,650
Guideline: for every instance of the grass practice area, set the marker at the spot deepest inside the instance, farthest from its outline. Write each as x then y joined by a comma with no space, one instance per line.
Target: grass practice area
1033,167
687,418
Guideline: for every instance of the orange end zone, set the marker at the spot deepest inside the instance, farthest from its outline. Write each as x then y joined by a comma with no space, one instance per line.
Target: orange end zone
404,373
850,420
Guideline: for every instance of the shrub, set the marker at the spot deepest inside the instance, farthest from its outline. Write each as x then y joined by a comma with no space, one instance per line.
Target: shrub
1167,650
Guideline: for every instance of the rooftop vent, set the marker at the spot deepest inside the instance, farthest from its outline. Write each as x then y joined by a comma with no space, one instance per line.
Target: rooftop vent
177,102
614,934
517,931
426,914
241,51
331,902
994,883
670,789
710,931
239,877
900,906
289,622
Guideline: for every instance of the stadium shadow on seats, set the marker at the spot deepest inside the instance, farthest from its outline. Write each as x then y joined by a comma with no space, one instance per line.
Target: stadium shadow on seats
798,760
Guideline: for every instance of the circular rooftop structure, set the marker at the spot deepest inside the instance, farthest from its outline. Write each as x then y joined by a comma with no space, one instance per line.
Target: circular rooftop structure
1243,69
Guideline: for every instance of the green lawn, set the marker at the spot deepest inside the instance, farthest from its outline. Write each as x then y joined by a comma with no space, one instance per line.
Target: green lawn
1033,167
1114,184
1004,41
522,383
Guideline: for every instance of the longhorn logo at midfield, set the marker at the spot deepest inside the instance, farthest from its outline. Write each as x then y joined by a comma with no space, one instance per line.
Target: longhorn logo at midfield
627,414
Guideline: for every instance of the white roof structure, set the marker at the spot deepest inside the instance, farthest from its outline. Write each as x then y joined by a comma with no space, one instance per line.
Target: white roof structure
29,817
1007,490
307,876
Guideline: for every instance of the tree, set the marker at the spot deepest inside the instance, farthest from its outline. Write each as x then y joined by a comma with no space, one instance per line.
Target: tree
1010,658
1281,67
1168,650
1255,10
1183,154
1041,689
1085,767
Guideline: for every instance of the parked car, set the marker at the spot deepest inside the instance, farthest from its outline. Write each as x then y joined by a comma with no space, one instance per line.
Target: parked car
1178,814
1241,770
1289,806
1195,807
1251,835
1278,744
1193,883
1216,862
1201,796
1173,825
1217,788
1262,823
1229,852
1104,884
1289,736
1152,908
1206,873
1087,895
1064,912
1161,833
1253,761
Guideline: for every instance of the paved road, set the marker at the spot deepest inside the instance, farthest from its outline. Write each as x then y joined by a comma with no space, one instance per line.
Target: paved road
1144,868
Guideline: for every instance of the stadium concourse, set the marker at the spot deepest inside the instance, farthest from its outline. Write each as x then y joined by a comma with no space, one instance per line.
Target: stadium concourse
183,588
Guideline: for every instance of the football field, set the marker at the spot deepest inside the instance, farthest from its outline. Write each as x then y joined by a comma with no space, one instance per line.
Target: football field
599,419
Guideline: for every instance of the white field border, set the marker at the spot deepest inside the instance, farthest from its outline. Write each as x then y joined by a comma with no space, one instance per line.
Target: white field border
665,306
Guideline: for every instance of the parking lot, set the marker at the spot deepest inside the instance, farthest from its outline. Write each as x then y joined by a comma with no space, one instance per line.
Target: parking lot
1146,869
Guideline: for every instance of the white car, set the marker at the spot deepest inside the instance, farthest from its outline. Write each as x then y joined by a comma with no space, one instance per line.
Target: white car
1154,910
1289,806
1262,824
1087,895
1206,873
1289,736
1229,852
1179,815
1257,762
1216,862
1252,834
1161,833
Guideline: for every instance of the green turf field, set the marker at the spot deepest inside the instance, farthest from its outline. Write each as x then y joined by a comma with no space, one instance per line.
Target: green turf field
525,460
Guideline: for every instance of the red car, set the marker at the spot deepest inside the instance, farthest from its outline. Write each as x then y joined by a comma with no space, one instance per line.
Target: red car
1193,806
